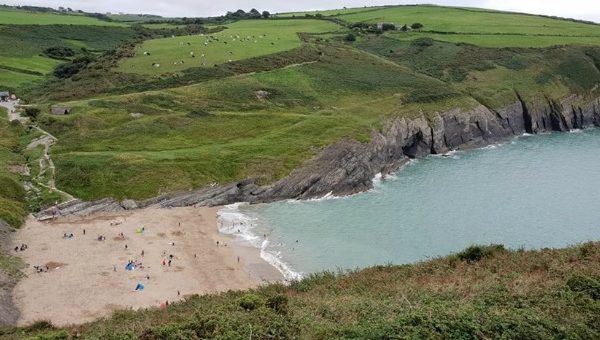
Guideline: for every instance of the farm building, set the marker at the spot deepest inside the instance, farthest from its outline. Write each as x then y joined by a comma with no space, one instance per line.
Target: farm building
4,95
60,110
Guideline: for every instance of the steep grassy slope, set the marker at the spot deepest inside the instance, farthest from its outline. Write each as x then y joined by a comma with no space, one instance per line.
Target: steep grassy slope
483,292
221,130
12,195
240,40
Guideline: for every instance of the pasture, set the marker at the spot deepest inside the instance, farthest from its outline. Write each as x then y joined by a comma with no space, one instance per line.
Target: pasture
21,55
12,79
9,16
502,40
241,40
465,20
479,27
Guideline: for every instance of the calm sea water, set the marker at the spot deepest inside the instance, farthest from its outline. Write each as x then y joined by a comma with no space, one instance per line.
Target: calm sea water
533,192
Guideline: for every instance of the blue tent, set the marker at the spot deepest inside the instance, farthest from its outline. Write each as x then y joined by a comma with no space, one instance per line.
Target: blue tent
130,266
139,287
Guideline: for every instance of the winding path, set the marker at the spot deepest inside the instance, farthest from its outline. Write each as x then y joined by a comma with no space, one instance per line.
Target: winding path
47,140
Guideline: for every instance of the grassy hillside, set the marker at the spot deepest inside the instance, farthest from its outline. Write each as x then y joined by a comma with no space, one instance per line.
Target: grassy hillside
257,98
10,16
12,194
221,130
240,40
22,54
473,26
482,292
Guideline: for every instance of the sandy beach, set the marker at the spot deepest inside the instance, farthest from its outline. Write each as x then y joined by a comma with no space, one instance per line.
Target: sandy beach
87,278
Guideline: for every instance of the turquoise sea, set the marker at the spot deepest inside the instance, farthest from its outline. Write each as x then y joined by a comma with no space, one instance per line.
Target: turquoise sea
531,192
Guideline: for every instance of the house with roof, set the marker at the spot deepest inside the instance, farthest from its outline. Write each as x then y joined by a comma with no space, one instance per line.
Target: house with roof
4,96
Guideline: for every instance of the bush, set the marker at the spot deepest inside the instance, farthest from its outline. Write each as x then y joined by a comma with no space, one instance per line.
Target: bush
477,253
250,302
416,26
350,37
32,112
70,69
278,303
586,285
59,52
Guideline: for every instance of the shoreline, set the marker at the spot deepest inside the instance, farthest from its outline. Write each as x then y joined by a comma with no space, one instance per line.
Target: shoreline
87,279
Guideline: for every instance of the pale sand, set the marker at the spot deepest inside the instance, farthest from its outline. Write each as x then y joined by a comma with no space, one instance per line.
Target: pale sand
85,287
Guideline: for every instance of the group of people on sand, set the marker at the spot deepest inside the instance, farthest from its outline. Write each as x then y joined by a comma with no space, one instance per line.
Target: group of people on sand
70,235
167,260
23,247
41,269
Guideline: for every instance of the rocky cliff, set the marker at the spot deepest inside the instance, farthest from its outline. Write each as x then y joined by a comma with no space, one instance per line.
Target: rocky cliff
348,166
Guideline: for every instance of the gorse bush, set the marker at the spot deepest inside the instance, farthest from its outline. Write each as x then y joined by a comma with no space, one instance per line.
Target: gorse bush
59,52
587,285
476,253
251,302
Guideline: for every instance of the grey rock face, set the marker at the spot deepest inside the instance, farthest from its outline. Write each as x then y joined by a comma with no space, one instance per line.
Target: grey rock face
348,166
129,205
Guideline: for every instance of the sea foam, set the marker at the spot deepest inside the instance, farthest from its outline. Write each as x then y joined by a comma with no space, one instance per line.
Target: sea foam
232,221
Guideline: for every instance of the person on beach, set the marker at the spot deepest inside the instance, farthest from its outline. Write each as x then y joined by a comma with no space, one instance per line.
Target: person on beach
217,243
164,262
114,268
125,246
142,253
83,231
169,263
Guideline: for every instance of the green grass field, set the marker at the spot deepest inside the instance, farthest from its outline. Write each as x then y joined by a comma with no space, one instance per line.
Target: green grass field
241,40
21,17
478,27
11,79
329,12
23,46
483,292
503,40
459,20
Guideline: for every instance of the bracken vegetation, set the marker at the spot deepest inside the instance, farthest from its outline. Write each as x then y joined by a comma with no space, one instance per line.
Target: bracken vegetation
501,294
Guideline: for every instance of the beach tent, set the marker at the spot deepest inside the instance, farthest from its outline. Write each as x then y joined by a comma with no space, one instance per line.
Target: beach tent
139,287
130,266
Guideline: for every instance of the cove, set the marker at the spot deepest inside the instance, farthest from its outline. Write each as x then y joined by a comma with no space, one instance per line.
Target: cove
532,192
